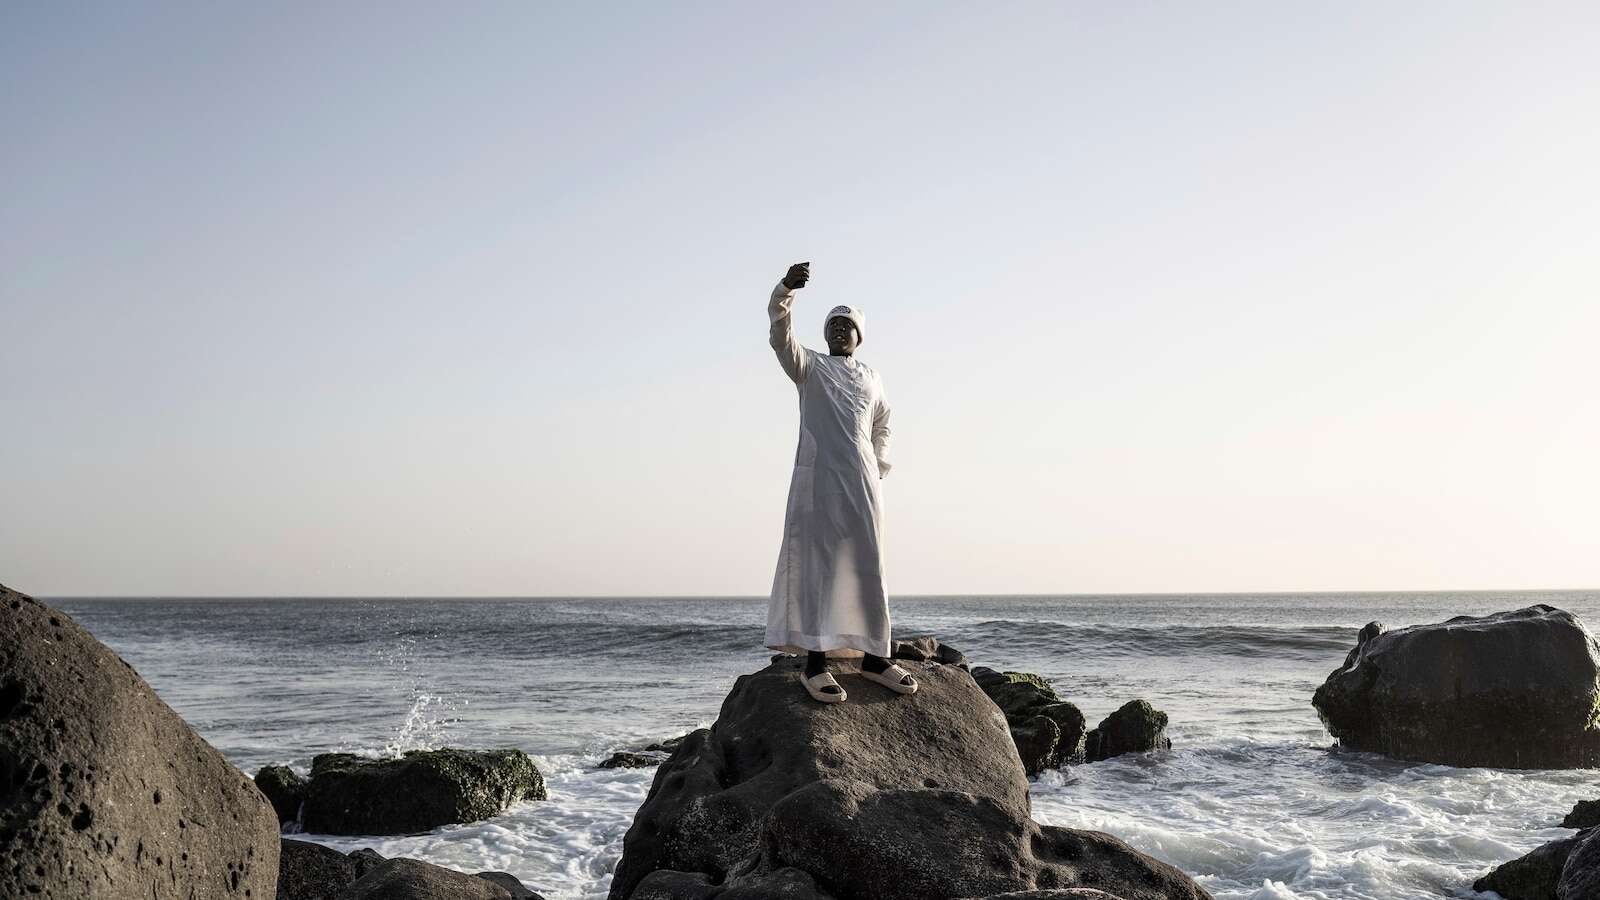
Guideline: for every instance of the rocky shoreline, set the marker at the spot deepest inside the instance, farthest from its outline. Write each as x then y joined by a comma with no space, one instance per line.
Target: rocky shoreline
108,793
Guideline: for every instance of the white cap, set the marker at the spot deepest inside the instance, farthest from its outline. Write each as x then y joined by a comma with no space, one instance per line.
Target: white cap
847,312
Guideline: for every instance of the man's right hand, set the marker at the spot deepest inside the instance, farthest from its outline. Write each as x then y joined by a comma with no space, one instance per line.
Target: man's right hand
798,275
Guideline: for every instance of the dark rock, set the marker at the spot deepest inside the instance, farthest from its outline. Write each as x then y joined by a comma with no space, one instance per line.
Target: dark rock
927,648
1580,877
1068,894
779,884
1135,728
105,792
413,879
513,886
1585,814
308,871
1024,698
1038,743
668,745
364,859
1532,876
421,790
284,789
628,759
886,796
1511,690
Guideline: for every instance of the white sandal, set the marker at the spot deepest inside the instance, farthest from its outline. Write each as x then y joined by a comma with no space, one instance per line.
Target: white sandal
816,683
893,678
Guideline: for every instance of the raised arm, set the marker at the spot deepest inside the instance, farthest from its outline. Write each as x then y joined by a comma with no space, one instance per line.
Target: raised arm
880,434
780,332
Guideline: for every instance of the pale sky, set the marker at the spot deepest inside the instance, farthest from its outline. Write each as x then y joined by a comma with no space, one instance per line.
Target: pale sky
470,300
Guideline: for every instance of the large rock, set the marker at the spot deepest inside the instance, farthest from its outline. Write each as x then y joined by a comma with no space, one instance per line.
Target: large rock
1580,877
1137,727
1512,690
105,792
1534,875
419,791
1047,730
914,797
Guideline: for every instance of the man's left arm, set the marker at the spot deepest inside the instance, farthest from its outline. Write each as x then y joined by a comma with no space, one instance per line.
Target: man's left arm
880,434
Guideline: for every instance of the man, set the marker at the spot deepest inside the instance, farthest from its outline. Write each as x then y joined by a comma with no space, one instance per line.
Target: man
828,596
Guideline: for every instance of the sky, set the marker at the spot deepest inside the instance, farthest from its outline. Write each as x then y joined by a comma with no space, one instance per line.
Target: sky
408,300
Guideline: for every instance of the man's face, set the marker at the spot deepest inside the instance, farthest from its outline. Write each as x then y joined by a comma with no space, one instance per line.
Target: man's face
842,337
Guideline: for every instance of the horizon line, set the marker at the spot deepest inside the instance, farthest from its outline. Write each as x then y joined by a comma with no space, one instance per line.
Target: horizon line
908,596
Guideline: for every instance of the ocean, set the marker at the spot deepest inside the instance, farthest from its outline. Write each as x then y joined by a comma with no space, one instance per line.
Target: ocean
1251,800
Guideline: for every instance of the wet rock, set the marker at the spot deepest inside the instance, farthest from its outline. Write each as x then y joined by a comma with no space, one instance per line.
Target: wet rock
308,871
1068,894
1585,814
413,879
284,789
1580,877
510,882
1025,698
364,859
628,759
1534,875
886,796
421,790
1137,727
1511,690
105,792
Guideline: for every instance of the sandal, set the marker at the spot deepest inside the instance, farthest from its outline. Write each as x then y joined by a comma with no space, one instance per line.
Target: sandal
815,687
894,678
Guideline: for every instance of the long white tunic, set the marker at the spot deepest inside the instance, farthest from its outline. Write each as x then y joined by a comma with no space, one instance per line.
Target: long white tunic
828,593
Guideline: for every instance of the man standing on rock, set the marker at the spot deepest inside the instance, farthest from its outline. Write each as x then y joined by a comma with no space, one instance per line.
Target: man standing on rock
828,596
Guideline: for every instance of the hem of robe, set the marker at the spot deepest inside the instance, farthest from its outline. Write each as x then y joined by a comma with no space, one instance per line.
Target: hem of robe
837,646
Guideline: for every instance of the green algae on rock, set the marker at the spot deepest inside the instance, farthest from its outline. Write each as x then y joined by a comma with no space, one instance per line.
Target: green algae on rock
421,790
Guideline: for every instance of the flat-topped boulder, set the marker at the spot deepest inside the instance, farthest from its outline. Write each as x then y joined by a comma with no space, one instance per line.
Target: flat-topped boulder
419,791
310,871
105,791
884,796
1514,690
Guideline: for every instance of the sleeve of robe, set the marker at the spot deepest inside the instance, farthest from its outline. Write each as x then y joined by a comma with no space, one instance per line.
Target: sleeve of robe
780,334
880,434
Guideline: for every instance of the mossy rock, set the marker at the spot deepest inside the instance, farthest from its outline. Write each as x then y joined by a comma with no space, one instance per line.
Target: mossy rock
284,789
419,791
1024,697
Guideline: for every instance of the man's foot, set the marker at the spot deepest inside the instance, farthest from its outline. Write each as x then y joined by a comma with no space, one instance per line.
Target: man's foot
891,676
818,681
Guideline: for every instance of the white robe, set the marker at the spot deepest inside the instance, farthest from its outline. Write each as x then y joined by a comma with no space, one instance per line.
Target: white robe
828,593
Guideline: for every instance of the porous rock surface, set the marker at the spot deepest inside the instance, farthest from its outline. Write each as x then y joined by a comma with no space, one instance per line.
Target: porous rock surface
1518,689
105,792
885,796
419,791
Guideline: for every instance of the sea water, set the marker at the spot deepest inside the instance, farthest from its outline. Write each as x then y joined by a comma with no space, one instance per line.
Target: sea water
1251,801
